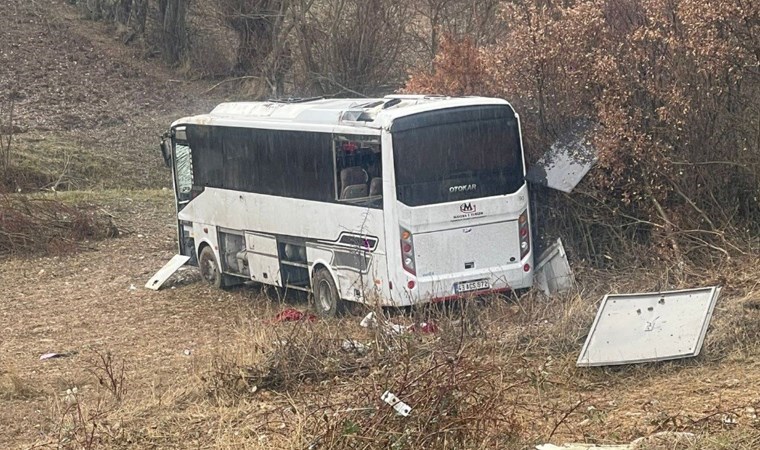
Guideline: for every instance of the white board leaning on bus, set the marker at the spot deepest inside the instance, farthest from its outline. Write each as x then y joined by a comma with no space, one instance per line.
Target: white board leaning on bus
393,201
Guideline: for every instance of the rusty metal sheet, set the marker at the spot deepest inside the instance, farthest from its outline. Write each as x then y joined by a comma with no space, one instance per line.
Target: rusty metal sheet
636,328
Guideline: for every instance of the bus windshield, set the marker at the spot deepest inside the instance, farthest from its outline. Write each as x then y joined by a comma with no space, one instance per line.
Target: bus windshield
457,154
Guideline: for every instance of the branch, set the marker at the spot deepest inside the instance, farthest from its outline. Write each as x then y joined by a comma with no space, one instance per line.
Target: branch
229,80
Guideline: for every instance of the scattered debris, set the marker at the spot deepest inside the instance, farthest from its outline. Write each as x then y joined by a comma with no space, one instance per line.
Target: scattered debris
553,274
371,321
165,272
293,315
636,328
47,356
566,162
132,287
424,327
368,320
401,408
356,346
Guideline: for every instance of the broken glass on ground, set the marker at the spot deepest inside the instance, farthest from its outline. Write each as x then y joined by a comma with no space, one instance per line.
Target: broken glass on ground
647,327
553,274
566,162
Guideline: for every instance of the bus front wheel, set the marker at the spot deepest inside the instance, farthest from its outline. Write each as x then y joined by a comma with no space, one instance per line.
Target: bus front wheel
325,298
210,268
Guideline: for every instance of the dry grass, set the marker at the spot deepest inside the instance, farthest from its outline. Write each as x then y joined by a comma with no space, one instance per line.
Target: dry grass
494,375
13,387
499,373
43,225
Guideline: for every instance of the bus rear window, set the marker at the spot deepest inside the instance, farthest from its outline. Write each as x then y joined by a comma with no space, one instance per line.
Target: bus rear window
457,154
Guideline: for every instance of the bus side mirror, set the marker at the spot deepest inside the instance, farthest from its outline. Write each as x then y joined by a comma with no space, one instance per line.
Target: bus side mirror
166,150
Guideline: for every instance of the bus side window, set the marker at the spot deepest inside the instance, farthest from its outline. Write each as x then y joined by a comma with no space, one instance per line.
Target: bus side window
183,166
358,170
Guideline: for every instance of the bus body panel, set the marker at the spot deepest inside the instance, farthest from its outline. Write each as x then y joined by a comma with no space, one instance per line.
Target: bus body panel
361,274
450,249
461,247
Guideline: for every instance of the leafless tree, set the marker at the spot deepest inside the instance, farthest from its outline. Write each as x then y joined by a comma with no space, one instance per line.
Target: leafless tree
7,129
478,20
351,46
257,24
172,19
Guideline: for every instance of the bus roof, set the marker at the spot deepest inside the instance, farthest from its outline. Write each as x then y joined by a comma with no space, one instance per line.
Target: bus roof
366,115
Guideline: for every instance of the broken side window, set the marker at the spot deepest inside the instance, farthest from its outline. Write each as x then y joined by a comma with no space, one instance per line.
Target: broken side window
358,167
183,164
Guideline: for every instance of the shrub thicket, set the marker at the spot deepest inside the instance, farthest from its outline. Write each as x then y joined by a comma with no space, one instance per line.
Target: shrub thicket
673,87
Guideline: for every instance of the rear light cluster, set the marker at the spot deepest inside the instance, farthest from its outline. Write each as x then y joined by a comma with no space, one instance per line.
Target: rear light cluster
407,252
524,228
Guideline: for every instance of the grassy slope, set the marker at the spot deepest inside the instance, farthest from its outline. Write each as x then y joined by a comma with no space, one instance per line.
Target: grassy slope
86,105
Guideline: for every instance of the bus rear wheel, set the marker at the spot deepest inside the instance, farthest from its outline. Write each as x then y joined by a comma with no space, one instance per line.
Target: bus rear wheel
210,268
325,298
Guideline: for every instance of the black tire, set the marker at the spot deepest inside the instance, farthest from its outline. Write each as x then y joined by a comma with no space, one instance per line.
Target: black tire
210,271
325,298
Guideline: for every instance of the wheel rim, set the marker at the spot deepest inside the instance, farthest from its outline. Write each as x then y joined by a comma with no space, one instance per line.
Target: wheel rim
324,295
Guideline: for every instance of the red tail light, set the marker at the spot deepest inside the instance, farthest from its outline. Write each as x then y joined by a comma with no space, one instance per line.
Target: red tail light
524,227
407,252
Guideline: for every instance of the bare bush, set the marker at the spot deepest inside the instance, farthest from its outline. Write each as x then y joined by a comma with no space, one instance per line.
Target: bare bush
79,422
453,384
38,225
110,372
7,129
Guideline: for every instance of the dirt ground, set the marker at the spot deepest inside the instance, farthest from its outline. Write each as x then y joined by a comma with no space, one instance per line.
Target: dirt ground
93,302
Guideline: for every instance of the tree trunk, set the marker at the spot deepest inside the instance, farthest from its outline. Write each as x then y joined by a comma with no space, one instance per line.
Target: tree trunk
138,15
172,16
121,11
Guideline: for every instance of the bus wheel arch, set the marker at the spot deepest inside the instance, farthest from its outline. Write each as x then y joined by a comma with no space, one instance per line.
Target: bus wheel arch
325,296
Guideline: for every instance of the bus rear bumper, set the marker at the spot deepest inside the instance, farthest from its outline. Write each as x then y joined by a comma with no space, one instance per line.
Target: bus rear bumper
447,287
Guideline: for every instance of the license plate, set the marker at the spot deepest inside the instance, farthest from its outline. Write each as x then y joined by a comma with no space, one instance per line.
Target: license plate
469,286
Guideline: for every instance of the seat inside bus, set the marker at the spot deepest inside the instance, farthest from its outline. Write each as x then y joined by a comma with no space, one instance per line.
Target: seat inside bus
376,187
353,181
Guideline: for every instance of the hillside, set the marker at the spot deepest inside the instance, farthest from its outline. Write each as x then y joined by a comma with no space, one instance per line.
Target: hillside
193,367
84,103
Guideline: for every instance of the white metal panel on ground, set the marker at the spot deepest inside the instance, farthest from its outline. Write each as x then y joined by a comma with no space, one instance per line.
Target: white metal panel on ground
553,274
162,275
635,328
